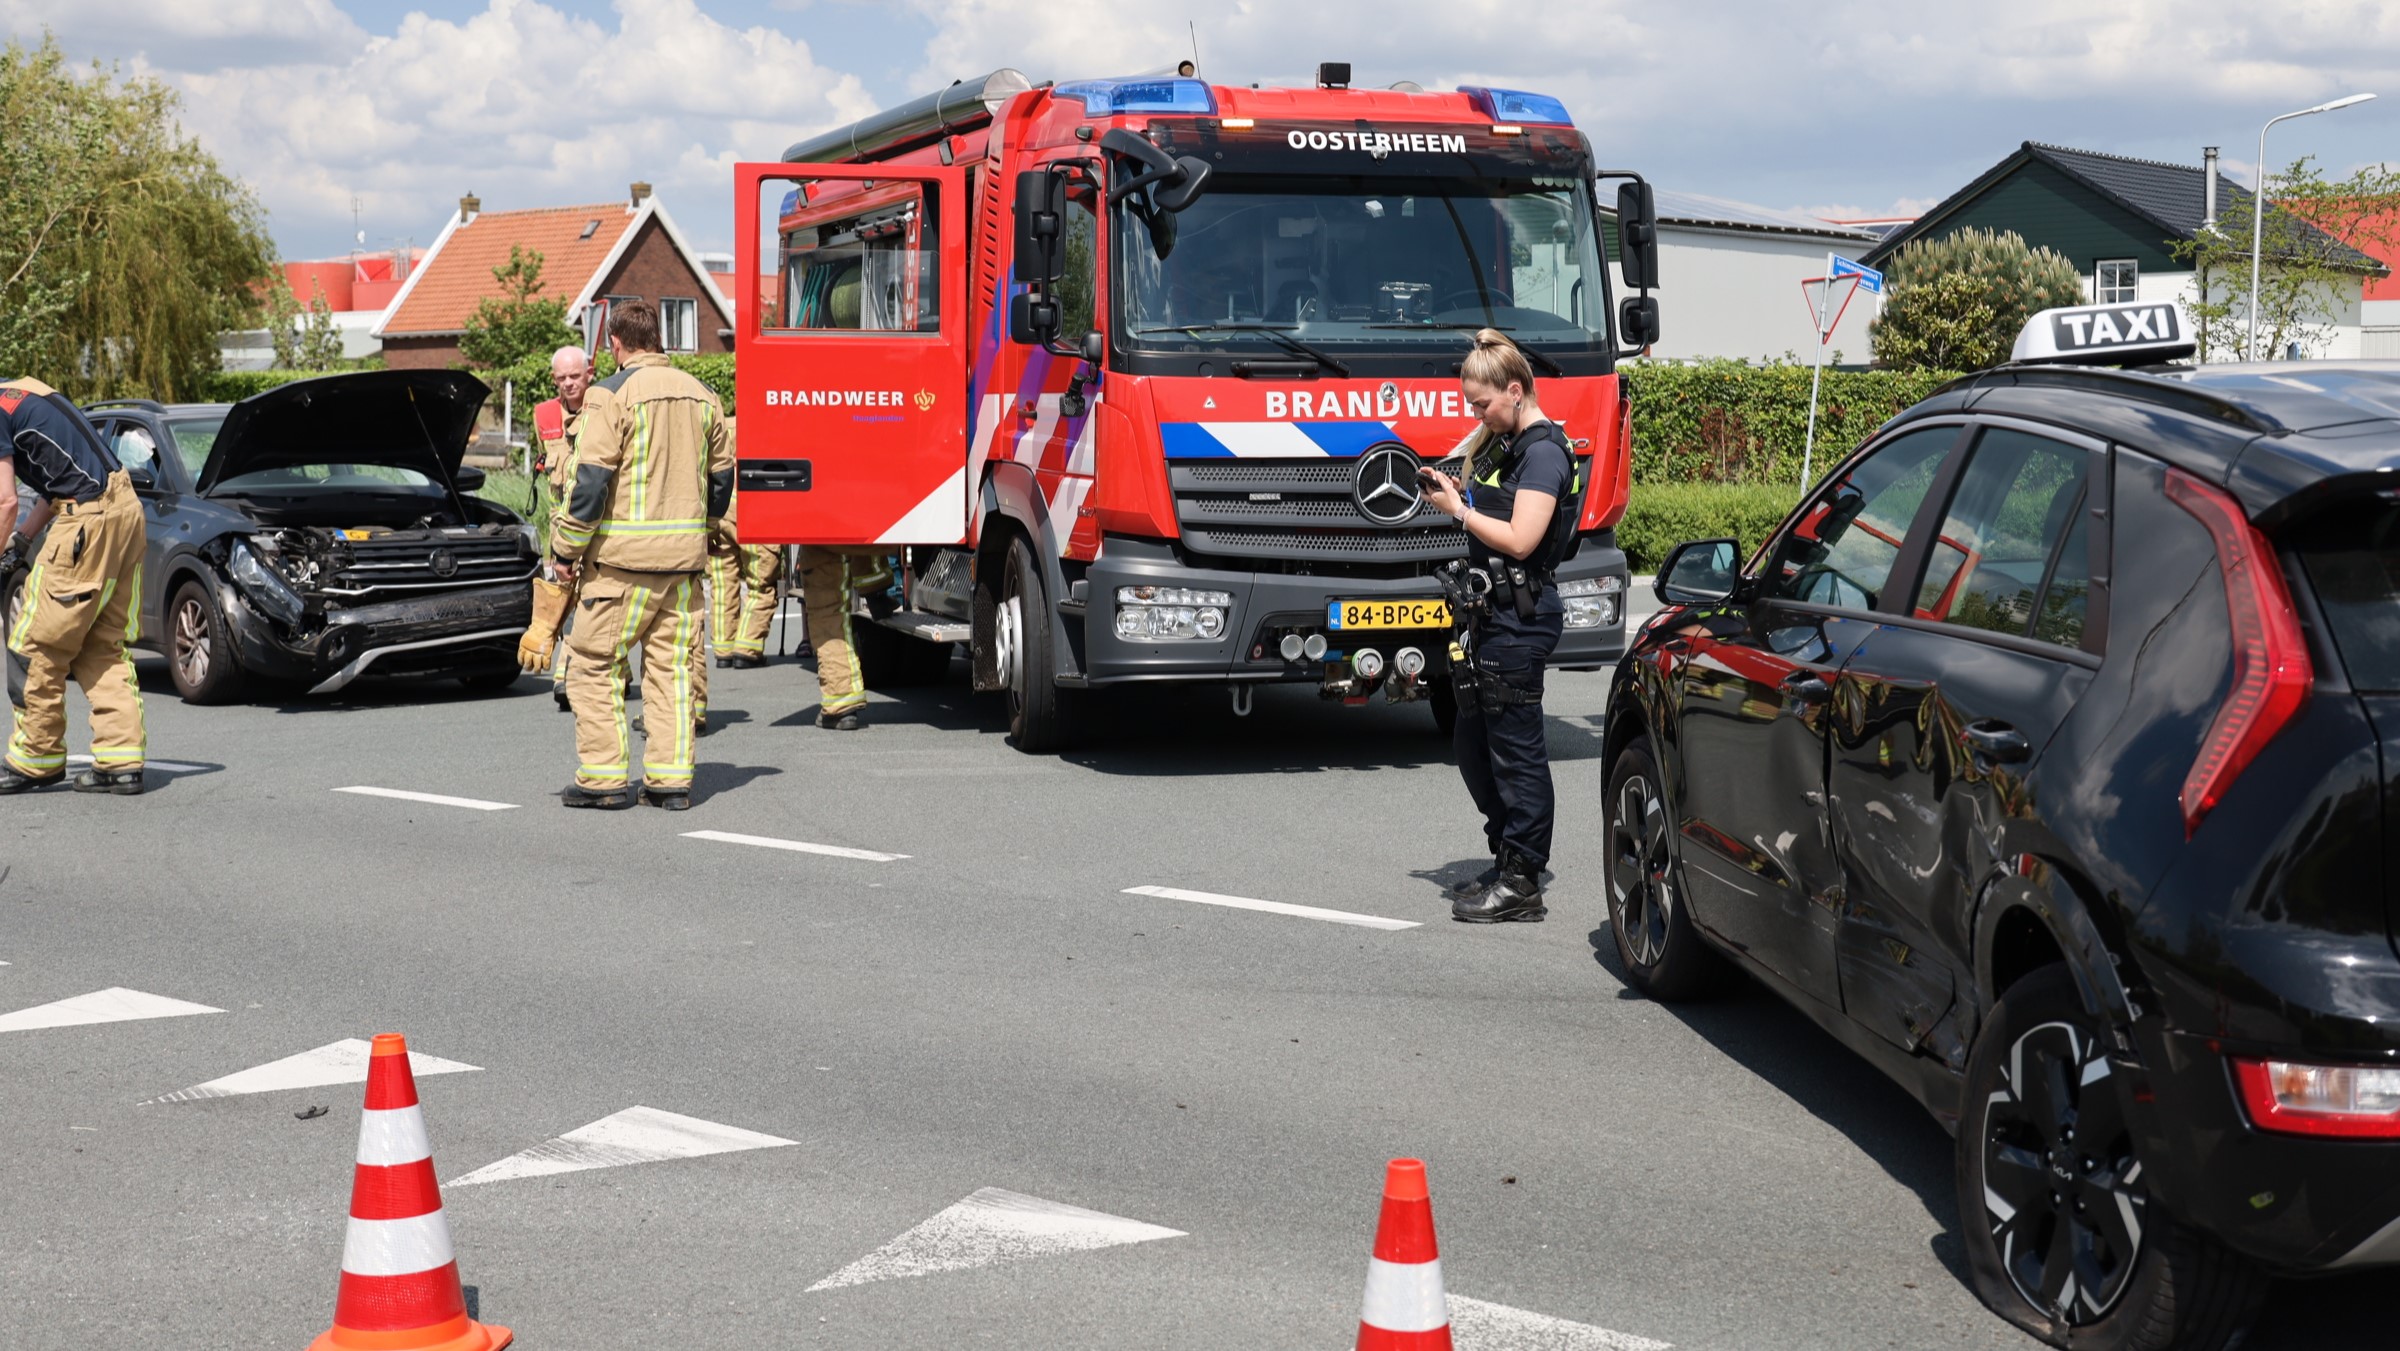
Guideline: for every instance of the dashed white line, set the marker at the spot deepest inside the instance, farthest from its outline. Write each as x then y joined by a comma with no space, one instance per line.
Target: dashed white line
794,846
437,799
1274,907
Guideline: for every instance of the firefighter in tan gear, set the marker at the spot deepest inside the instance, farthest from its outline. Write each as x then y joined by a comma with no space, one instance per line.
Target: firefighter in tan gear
556,423
653,479
741,594
82,598
828,576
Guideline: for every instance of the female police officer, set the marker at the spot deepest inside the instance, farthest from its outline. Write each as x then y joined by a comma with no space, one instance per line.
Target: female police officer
1518,473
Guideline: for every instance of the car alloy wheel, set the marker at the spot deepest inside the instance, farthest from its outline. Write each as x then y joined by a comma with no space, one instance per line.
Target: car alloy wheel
2062,1193
191,641
1641,872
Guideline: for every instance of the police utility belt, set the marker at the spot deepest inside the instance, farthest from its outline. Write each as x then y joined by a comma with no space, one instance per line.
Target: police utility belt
1473,591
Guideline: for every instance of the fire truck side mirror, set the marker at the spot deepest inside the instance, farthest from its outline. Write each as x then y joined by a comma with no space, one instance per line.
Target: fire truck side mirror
1637,235
1637,322
1041,207
1033,318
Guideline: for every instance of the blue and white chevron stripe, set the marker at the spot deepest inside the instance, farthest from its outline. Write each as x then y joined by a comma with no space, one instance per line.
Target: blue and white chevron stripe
1271,440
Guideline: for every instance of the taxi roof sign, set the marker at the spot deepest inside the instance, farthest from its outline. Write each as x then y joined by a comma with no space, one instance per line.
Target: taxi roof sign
2106,335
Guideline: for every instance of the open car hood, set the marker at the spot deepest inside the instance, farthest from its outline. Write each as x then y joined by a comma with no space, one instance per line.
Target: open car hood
419,420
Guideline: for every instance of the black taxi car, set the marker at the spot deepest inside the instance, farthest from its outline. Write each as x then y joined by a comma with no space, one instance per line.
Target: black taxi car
2048,755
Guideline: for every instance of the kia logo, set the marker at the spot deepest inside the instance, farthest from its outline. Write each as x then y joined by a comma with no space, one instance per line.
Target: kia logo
1385,484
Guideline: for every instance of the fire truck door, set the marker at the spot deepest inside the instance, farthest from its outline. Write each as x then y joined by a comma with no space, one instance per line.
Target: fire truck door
851,342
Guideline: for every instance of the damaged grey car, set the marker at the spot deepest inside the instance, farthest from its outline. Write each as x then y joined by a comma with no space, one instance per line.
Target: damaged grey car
321,531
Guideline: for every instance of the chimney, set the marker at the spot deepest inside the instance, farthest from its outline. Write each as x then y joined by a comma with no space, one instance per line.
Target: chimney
2208,188
469,207
641,193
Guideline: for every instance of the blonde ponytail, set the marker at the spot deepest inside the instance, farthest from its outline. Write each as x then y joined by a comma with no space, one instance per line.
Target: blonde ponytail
1496,362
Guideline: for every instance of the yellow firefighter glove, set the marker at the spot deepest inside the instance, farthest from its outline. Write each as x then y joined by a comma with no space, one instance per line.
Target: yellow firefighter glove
550,602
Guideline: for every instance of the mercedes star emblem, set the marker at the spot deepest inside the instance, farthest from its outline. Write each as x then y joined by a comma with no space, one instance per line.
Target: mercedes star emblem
1385,484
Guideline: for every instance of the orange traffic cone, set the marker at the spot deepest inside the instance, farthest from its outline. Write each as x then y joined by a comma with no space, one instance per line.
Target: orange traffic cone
1405,1308
400,1289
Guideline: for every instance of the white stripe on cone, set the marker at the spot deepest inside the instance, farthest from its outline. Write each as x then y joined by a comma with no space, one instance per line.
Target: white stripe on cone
1405,1296
393,1136
397,1247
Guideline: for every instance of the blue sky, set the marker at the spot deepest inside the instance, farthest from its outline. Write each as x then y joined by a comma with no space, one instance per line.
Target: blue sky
1849,107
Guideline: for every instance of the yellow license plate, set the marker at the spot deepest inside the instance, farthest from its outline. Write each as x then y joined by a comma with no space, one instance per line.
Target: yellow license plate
1346,615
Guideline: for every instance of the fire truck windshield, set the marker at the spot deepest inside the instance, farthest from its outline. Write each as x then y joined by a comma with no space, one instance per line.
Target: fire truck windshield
1365,265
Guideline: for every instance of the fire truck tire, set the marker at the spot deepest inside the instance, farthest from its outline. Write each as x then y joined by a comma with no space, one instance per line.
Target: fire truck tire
1444,702
1037,708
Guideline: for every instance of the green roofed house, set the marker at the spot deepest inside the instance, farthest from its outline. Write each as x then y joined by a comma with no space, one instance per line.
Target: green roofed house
2117,220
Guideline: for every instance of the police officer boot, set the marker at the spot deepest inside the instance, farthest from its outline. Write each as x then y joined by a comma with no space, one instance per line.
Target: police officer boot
1459,893
122,782
13,780
1516,896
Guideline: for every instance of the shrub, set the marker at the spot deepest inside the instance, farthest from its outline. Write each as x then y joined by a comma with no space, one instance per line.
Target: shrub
1663,515
1730,422
235,386
1957,302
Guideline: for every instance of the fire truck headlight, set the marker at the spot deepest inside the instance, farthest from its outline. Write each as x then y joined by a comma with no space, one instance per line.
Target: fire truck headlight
1165,613
1593,602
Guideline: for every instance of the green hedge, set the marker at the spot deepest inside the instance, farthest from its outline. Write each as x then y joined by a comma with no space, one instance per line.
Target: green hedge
1730,422
1663,515
532,378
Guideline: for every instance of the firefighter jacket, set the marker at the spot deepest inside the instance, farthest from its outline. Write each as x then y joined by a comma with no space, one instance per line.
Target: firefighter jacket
556,426
653,470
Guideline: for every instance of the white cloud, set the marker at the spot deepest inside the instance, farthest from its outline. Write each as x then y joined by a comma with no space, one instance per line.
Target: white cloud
189,36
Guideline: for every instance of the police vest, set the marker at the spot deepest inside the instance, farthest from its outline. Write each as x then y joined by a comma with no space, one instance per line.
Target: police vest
1560,542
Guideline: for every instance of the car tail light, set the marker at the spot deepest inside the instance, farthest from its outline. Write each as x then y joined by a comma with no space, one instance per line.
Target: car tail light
2348,1101
2271,669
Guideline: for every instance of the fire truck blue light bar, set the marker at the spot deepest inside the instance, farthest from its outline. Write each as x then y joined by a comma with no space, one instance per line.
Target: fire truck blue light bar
1104,98
1517,106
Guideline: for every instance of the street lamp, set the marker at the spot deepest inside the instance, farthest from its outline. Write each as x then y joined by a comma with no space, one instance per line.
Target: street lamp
2258,206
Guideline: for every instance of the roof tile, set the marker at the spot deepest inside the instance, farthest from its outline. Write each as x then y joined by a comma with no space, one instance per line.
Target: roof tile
459,274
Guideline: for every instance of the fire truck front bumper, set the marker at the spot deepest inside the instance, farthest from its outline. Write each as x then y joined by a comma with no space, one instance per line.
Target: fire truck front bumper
1147,618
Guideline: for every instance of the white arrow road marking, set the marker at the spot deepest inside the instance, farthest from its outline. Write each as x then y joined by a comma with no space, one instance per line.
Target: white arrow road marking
437,799
1479,1325
116,1005
993,1226
1274,907
635,1135
795,846
342,1062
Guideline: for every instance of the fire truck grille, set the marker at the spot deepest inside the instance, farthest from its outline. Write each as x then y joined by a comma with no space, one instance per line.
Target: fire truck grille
1297,509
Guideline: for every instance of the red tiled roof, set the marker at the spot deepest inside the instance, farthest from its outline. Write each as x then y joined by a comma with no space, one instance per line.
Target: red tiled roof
459,273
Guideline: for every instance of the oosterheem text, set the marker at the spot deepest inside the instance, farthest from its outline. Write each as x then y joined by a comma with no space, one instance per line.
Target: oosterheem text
1366,403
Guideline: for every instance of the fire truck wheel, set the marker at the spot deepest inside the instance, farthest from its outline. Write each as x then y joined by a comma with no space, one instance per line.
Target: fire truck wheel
1037,719
1444,702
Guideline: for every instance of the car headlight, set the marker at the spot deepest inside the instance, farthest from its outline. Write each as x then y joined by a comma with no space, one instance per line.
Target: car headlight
531,536
1593,602
1153,613
261,584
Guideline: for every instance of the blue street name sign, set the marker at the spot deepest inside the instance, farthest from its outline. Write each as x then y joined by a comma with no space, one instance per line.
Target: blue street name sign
1869,280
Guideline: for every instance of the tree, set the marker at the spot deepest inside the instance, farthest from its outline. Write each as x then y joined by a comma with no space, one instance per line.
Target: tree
519,322
2308,270
1956,303
124,249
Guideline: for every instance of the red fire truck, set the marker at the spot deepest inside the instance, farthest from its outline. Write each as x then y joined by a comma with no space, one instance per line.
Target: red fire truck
1133,376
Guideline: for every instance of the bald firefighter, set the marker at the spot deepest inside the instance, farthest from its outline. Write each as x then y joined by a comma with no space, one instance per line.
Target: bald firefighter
653,480
556,423
82,598
741,593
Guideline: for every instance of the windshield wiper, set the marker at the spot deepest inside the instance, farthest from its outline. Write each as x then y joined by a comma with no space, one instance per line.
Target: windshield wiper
1532,355
1276,332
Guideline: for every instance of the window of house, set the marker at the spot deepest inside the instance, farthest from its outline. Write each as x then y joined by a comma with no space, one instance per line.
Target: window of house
679,323
2115,281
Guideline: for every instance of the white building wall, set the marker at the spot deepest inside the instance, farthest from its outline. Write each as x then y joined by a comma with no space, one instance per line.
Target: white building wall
1728,293
2341,302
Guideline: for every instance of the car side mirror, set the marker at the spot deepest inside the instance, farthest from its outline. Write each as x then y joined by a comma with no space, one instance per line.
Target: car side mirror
469,478
141,478
1698,572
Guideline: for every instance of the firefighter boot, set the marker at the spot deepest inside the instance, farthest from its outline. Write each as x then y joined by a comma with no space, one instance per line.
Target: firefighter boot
615,799
1516,896
15,780
668,799
122,782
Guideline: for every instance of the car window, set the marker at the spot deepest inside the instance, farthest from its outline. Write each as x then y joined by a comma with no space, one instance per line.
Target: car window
1841,547
2011,555
328,477
135,449
2353,559
194,437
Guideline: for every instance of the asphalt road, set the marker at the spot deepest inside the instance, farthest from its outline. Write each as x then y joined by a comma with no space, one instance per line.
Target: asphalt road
992,1010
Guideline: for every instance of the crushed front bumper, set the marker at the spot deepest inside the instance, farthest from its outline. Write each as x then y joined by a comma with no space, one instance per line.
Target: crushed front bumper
440,634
